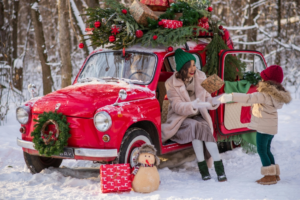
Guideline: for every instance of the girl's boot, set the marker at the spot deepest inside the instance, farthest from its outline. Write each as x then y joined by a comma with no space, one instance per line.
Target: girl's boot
204,170
277,172
219,167
269,173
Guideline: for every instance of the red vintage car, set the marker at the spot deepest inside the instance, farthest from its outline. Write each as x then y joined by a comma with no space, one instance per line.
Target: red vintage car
118,102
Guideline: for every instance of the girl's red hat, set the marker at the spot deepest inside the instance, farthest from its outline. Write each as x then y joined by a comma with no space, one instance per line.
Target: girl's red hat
273,73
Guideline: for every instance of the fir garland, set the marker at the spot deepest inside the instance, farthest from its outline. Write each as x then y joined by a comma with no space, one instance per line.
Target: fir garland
175,36
53,147
238,140
233,65
112,16
126,36
252,77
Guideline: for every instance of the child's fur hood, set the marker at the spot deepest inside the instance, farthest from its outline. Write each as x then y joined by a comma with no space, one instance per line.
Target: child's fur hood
275,90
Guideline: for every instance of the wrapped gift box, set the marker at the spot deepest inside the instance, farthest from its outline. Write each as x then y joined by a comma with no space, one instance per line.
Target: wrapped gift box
141,12
157,2
212,84
172,24
89,31
115,178
203,25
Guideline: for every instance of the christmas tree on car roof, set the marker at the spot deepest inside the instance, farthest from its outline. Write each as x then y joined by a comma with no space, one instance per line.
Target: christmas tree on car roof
153,23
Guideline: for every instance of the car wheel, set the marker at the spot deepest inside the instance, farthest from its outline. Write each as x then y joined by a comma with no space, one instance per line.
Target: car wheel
134,138
37,163
224,146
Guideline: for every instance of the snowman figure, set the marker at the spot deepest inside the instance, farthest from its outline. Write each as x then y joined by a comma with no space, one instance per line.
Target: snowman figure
145,177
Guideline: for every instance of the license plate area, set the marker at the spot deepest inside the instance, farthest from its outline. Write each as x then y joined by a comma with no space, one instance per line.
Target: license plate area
67,153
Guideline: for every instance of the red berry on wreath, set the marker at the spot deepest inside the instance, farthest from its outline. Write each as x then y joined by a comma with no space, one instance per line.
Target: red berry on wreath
210,9
139,33
154,37
124,11
81,45
97,24
112,38
221,27
170,49
160,23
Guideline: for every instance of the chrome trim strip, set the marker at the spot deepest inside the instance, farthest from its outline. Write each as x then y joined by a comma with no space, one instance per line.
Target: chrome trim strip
99,153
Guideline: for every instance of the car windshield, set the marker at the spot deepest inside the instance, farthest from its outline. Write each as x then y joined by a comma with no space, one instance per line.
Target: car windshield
135,67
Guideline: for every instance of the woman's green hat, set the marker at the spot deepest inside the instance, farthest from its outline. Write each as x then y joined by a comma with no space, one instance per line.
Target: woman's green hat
182,57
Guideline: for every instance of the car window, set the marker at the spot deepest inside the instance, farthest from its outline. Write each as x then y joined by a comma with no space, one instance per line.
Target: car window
135,66
172,62
254,62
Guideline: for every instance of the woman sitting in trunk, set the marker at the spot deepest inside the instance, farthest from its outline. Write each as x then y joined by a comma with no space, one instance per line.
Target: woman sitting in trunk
188,119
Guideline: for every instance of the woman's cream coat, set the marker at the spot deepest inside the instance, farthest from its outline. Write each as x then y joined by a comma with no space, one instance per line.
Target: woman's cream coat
180,104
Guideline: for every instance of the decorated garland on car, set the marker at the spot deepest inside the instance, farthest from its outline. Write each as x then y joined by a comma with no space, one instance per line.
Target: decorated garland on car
51,143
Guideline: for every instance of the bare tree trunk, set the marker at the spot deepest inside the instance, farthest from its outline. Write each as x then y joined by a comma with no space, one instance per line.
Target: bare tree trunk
278,59
18,71
7,40
2,33
41,48
92,3
252,33
77,31
14,22
65,43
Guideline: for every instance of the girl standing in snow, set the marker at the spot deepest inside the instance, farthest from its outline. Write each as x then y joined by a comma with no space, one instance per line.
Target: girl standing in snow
188,119
271,96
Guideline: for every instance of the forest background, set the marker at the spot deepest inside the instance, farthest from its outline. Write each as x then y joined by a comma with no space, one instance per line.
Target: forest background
39,41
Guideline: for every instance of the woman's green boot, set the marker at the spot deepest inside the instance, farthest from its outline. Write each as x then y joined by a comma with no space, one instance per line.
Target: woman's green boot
204,170
219,167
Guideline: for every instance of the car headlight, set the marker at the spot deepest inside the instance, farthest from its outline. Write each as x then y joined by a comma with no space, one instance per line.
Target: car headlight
23,114
102,121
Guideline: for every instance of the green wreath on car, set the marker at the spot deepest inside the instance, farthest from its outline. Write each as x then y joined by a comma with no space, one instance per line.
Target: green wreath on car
51,143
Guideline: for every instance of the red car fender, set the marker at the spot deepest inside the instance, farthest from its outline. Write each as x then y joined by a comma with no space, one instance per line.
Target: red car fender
127,114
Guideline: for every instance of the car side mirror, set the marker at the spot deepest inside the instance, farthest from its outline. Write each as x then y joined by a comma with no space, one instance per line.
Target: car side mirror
122,96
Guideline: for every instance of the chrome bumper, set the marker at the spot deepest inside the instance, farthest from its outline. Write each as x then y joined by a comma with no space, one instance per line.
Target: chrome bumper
99,153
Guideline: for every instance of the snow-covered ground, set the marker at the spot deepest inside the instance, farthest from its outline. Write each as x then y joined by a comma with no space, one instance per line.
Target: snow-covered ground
16,182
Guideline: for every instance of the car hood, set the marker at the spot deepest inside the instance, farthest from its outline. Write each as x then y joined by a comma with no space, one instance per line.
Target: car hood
82,100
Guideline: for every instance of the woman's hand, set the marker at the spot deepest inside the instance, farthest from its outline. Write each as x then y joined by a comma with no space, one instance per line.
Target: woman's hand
199,104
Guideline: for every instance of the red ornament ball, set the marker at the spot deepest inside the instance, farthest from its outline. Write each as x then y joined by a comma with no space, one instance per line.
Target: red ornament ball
221,27
170,49
81,45
139,33
112,38
210,9
160,23
124,11
154,37
97,24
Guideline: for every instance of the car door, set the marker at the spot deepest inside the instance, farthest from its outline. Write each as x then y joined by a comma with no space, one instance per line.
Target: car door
233,118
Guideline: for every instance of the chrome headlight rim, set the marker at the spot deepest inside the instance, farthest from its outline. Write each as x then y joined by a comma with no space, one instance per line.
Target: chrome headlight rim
109,121
27,111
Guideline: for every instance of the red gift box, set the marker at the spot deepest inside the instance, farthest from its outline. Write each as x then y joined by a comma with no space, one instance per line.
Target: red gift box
172,24
89,31
157,2
204,25
115,178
